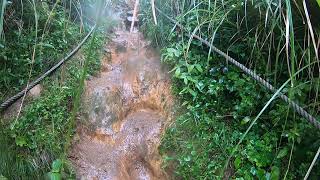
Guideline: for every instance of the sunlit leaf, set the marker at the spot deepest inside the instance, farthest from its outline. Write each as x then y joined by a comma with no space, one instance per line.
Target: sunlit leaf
245,120
177,72
275,173
56,166
237,162
282,153
21,141
54,176
3,178
199,68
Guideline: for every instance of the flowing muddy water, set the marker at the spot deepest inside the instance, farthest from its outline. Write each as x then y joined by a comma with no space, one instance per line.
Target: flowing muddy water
125,111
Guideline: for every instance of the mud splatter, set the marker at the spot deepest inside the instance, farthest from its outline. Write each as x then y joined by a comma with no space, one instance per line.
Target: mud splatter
125,111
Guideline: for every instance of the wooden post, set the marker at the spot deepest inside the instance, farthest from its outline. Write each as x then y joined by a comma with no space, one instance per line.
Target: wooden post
154,12
135,11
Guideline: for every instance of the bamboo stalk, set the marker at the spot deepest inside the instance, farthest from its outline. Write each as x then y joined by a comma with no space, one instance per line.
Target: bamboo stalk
135,11
154,12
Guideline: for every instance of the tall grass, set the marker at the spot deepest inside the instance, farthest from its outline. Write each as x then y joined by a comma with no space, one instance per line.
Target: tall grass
276,38
30,143
254,122
281,29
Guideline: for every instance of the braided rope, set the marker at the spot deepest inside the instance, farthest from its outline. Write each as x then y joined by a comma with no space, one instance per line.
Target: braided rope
14,98
251,73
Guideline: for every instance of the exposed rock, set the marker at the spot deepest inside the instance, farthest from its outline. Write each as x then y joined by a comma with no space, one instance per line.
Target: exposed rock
12,111
35,92
102,109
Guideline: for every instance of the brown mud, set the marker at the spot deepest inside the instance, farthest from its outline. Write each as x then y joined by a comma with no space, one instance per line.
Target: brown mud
125,111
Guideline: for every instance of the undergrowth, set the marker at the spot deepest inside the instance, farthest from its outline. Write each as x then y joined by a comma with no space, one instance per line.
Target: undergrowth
58,35
39,135
219,102
37,141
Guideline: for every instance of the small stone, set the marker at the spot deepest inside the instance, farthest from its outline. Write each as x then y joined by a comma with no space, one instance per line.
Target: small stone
107,50
130,19
225,70
130,13
35,92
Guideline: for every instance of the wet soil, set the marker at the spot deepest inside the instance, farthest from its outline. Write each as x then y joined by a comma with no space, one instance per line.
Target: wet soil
125,111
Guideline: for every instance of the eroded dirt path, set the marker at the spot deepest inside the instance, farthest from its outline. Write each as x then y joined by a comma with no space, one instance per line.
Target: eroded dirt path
125,111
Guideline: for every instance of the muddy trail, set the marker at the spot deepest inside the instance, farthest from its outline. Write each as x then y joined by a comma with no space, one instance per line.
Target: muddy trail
125,111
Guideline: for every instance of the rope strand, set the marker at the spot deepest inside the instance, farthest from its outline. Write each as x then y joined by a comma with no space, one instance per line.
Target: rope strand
14,98
251,73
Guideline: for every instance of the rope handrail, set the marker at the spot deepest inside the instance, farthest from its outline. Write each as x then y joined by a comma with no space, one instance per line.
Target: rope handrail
14,98
251,73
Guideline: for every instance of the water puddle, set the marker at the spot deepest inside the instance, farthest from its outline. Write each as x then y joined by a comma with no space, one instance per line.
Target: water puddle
125,111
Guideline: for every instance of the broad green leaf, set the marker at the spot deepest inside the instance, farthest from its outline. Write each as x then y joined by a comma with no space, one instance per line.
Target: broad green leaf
187,159
282,153
3,178
56,166
200,86
173,52
178,71
318,2
199,68
21,141
54,176
253,171
48,45
183,90
261,173
184,103
237,163
192,92
275,173
190,68
245,120
185,80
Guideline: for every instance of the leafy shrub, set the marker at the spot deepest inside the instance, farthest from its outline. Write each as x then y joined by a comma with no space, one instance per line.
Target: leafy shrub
30,144
228,100
54,37
219,102
41,135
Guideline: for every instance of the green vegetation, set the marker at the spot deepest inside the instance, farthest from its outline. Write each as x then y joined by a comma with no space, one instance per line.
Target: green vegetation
219,102
37,141
50,34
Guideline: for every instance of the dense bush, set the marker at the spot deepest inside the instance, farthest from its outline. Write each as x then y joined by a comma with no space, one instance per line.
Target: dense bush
220,102
37,141
33,46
